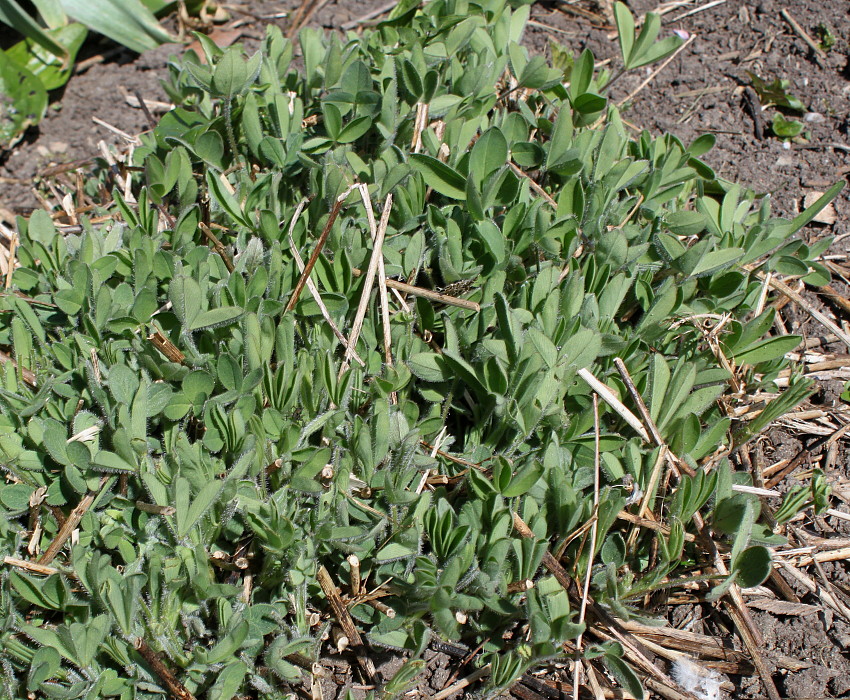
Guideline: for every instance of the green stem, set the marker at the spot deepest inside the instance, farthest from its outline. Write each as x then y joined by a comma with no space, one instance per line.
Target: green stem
228,122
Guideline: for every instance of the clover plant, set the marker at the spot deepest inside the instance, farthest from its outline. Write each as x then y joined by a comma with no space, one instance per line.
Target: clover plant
212,443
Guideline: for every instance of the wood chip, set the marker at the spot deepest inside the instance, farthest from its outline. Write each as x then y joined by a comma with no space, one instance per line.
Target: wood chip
221,37
782,607
827,215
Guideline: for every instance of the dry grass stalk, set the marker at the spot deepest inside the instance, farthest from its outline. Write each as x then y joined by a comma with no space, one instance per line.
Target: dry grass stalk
365,19
634,93
632,646
302,14
820,56
155,509
783,607
577,668
27,375
462,683
380,607
355,583
11,260
166,347
535,186
633,649
218,246
154,660
690,642
675,655
420,123
345,621
837,514
521,586
833,296
743,622
784,289
33,567
377,256
644,510
669,692
129,138
382,276
323,238
824,595
805,454
71,524
429,294
619,408
650,524
314,290
593,680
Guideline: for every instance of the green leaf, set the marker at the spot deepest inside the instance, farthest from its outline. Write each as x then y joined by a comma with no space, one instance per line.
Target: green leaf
15,497
753,566
625,675
702,145
12,14
784,127
24,100
625,30
53,71
716,261
394,552
589,103
354,130
232,75
493,238
775,93
429,366
767,350
524,480
229,681
127,22
184,293
220,316
177,407
439,176
805,217
111,462
488,154
200,505
686,223
226,200
198,385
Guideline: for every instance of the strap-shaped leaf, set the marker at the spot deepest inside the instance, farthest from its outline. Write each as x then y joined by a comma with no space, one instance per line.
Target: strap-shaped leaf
15,16
127,22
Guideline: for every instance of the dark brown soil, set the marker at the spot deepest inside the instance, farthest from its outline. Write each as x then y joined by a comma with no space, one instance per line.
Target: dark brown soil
699,91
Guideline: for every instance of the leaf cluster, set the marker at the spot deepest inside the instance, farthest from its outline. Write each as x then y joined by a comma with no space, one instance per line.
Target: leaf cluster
225,447
775,94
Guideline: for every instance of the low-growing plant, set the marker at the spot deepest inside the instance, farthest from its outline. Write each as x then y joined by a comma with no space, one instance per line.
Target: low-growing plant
246,457
775,94
826,39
